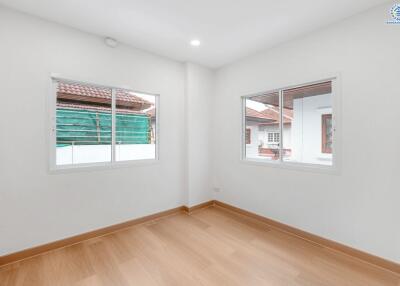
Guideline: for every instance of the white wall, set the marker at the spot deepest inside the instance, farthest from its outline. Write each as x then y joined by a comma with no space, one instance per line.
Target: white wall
36,207
198,106
360,206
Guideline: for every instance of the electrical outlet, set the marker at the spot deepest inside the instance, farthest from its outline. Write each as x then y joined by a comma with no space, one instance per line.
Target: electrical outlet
217,190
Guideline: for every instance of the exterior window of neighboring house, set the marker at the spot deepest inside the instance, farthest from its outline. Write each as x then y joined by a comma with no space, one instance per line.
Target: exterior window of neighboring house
94,125
327,133
291,120
273,137
248,136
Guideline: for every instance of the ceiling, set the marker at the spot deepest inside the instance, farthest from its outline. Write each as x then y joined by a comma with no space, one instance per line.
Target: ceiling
228,29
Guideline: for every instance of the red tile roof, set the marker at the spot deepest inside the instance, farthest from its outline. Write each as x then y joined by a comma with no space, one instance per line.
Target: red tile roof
96,108
258,115
84,90
270,115
94,94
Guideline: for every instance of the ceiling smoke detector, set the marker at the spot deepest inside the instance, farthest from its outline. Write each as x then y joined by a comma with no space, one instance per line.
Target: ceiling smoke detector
112,43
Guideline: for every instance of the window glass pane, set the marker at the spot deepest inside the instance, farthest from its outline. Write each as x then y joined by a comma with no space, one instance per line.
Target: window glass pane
83,124
262,118
305,135
135,126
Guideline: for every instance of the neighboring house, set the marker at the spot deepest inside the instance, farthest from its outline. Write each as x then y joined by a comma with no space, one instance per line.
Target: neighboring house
84,116
263,134
307,130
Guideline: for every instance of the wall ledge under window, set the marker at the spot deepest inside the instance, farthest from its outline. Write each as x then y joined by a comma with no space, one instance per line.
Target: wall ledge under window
303,167
90,167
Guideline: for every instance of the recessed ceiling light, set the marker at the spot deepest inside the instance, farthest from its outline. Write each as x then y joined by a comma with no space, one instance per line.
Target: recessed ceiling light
195,43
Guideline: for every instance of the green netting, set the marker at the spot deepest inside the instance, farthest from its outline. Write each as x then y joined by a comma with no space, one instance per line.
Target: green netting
82,127
132,129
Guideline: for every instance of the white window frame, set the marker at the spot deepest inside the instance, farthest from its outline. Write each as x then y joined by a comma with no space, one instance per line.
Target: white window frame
336,123
52,108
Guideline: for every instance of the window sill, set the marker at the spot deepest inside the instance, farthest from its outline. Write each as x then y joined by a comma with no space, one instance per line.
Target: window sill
313,168
101,166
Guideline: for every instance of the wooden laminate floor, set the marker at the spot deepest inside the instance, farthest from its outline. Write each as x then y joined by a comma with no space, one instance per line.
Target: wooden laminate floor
209,247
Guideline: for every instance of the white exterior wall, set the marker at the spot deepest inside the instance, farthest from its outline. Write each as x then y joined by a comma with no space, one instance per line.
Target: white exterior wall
102,153
287,136
306,131
252,148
